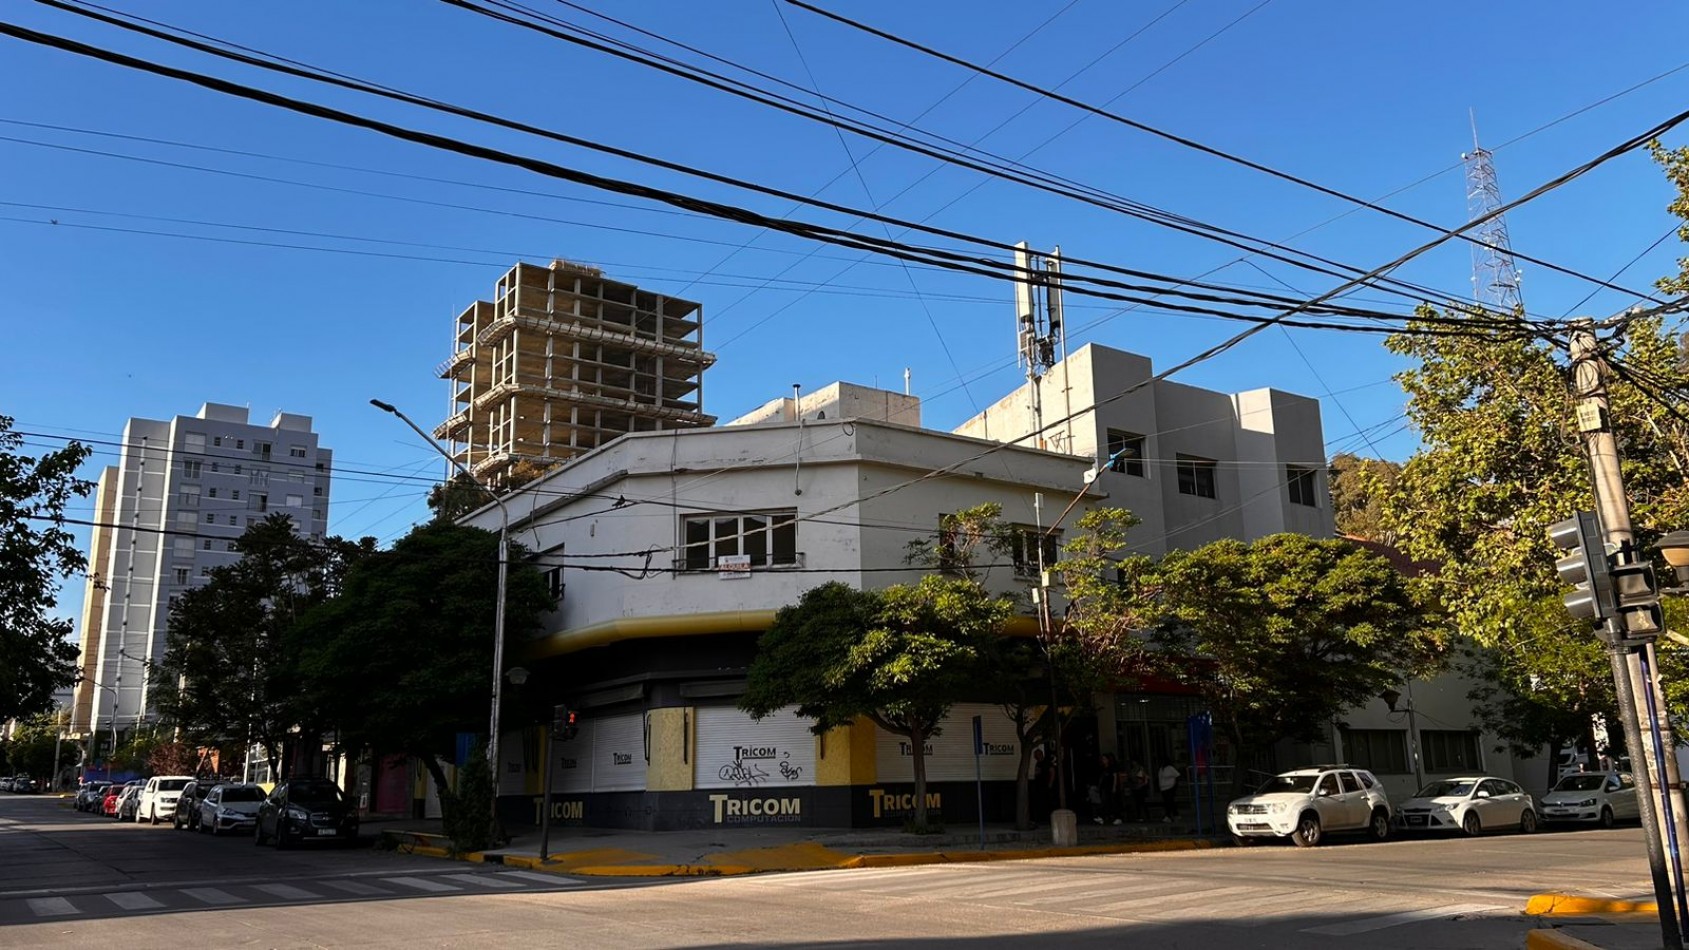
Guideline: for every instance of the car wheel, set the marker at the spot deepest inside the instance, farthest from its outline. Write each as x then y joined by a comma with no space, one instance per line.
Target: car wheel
210,829
1308,832
1527,822
1471,825
154,819
1606,817
1379,827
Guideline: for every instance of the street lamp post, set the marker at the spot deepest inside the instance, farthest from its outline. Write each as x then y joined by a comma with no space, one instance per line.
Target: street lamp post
503,563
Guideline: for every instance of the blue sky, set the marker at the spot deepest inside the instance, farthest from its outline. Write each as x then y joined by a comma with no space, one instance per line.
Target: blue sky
105,320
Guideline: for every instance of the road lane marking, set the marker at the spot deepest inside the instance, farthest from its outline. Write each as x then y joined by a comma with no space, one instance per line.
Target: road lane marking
421,884
129,900
481,880
357,887
1395,920
287,892
211,895
555,880
51,906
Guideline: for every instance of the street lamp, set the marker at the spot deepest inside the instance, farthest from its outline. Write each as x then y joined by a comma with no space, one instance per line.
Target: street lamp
1674,547
503,559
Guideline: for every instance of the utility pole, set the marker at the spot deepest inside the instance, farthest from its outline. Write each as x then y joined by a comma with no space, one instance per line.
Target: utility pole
1628,606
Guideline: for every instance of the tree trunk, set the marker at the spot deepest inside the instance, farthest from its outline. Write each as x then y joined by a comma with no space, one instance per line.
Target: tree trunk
1023,790
448,799
918,752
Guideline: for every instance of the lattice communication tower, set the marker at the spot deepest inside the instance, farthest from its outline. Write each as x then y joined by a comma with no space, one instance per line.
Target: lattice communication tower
1495,277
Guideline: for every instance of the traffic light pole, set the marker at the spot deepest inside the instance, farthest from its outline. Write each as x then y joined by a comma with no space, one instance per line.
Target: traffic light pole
1659,789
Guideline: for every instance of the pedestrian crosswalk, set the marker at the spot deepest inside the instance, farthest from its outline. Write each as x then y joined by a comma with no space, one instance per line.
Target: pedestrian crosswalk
199,897
1155,896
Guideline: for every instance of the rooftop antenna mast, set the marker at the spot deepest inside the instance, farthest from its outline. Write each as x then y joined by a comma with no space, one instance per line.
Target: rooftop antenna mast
1495,277
1040,332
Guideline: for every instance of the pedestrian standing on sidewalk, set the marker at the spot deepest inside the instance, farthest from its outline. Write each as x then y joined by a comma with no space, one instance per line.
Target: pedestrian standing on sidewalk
1137,789
1168,782
1107,799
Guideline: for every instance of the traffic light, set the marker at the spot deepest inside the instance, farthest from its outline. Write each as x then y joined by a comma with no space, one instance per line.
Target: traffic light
1584,566
565,722
1638,601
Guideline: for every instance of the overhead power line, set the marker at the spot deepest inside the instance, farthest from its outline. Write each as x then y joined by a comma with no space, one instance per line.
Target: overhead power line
1184,141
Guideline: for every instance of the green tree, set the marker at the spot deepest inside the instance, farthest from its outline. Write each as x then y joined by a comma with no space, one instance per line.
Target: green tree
30,749
456,497
1282,635
230,644
37,553
900,657
399,662
1358,489
1500,461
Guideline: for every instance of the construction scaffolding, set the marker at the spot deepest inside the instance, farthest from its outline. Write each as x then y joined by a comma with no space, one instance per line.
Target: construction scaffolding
562,361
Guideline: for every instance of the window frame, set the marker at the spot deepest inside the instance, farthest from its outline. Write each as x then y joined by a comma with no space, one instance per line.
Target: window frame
1435,745
1129,463
775,548
1303,483
1024,542
1365,748
1193,472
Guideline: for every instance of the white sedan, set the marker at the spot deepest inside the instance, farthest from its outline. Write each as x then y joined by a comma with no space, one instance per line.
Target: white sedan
1472,804
1601,797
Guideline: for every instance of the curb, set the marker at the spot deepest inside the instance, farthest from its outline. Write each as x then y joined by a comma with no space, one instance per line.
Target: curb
1546,939
1571,905
594,864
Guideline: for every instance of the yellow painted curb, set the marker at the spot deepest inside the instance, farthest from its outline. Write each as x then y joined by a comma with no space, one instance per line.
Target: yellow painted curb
1571,904
1546,939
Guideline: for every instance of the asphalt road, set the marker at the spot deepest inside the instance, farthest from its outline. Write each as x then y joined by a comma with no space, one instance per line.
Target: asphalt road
69,880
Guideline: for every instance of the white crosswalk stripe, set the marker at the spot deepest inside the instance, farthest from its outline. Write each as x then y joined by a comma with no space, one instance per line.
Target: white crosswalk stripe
482,880
287,892
50,906
555,880
421,884
212,896
129,900
356,887
1368,924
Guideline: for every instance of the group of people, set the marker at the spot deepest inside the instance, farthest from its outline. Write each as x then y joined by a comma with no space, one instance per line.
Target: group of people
1110,794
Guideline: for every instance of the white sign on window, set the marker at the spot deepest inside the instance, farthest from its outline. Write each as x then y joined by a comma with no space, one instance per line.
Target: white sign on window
734,567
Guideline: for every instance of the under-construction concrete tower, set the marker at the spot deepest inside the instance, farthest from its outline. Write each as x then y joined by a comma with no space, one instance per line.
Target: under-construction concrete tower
563,360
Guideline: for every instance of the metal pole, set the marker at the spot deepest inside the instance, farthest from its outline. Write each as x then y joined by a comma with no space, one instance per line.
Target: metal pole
545,793
498,621
1657,781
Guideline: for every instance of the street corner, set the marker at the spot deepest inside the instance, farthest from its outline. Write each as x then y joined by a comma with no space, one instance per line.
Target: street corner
907,859
793,856
1573,905
596,862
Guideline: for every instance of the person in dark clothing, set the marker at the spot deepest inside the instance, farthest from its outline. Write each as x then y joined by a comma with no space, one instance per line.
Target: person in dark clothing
1107,799
1137,790
1168,782
1041,789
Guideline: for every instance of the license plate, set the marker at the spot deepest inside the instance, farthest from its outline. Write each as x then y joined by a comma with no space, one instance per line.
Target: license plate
327,832
1416,819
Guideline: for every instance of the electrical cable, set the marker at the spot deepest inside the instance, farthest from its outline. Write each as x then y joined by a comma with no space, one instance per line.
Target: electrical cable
1187,142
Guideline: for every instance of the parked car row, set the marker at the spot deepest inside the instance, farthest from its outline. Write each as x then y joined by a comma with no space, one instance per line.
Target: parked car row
1304,805
295,811
21,784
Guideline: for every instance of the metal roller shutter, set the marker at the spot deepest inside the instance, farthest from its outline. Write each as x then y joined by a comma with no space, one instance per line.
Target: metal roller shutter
736,751
571,765
618,753
950,757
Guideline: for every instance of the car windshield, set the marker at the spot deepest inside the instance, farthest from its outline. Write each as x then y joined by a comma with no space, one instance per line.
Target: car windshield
1288,783
1446,789
242,793
173,784
1581,783
315,793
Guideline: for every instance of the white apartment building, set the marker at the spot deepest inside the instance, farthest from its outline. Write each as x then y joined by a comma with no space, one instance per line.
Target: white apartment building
669,552
171,509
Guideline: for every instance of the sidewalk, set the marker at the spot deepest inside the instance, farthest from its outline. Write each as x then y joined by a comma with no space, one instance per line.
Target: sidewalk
723,851
1569,922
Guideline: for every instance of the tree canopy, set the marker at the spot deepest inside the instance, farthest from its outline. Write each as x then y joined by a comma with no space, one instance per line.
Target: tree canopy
37,553
1358,488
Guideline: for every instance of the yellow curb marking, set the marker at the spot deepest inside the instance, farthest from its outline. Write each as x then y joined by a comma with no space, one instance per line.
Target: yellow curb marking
1545,939
1573,905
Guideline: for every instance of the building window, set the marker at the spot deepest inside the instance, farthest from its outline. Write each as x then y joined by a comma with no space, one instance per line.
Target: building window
1382,751
240,443
318,513
237,469
317,491
260,501
768,538
554,584
1196,476
235,494
205,570
229,545
194,442
183,546
259,476
1303,486
1125,453
296,451
217,440
215,467
1025,542
187,517
1450,750
319,466
181,575
261,449
295,501
211,493
190,468
210,518
207,544
190,496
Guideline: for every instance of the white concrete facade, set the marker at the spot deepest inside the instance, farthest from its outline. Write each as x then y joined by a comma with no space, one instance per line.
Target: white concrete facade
182,492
